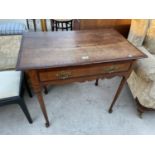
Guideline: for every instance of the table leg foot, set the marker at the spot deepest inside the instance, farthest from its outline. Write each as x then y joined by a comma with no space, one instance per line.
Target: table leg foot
96,82
45,90
117,93
140,115
110,110
47,124
43,108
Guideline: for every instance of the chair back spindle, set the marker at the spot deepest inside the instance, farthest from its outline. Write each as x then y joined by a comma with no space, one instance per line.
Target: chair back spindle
50,24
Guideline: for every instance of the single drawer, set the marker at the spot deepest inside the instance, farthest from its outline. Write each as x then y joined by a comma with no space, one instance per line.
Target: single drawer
80,71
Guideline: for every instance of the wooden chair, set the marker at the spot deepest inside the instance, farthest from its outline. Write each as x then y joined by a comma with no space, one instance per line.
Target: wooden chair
59,24
12,90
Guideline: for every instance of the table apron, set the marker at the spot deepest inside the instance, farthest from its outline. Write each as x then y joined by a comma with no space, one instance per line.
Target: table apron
80,72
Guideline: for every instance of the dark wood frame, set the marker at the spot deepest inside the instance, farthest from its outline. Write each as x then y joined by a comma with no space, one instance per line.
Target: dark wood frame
141,109
19,99
55,25
34,24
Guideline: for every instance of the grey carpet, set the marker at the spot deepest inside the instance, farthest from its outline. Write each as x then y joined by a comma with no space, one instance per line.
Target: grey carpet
79,108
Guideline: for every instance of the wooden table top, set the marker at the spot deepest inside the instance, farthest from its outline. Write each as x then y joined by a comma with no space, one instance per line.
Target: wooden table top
41,50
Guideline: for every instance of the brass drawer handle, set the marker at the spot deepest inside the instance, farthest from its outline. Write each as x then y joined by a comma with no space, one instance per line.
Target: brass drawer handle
110,69
63,75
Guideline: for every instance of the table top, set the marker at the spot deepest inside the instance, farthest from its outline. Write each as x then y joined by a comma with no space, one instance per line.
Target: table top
40,50
9,49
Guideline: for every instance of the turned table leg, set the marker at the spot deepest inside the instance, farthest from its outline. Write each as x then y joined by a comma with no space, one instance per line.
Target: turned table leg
122,83
38,91
43,108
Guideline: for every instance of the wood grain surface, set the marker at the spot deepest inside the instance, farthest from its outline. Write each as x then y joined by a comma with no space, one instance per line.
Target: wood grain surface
71,48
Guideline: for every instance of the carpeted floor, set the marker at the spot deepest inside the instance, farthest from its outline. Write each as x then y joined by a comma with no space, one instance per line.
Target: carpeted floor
79,108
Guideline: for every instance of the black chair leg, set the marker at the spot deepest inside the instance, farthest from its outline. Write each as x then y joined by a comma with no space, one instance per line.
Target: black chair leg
27,86
45,90
25,110
96,82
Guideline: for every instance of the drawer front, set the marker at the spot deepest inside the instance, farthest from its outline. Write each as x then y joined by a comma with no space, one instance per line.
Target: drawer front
73,72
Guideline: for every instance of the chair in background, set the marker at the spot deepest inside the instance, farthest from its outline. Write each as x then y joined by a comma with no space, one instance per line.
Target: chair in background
142,80
52,24
61,24
11,90
33,23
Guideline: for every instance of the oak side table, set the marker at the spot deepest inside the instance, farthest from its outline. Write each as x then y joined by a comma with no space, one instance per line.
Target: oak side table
52,58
